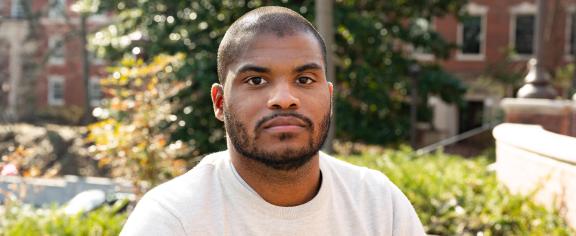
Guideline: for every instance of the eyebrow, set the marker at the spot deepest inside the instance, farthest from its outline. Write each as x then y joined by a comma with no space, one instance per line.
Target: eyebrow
259,69
309,66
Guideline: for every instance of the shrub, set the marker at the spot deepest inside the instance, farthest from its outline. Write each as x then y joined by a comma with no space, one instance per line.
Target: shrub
132,134
60,115
26,220
456,196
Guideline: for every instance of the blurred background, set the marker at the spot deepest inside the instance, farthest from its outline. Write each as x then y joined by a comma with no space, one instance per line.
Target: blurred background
102,100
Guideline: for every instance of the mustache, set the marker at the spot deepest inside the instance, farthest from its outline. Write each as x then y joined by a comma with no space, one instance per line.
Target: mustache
299,116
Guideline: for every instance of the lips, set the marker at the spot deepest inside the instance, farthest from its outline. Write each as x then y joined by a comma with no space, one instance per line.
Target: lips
278,123
284,122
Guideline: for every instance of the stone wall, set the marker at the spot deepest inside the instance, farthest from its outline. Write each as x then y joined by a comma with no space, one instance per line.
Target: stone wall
44,191
558,116
530,160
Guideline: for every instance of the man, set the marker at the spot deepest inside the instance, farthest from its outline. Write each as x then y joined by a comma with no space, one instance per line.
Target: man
275,103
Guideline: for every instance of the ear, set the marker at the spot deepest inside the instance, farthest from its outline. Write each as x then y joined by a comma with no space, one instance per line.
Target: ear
331,91
217,93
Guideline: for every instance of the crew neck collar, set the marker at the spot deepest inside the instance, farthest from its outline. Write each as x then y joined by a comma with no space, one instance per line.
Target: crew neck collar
239,189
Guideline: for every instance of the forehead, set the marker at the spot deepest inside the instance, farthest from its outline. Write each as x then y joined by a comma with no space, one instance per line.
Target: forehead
274,50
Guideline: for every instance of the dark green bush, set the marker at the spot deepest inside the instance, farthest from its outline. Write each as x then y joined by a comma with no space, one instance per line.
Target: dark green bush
456,196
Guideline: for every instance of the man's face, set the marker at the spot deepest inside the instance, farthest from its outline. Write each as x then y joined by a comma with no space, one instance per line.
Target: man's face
277,102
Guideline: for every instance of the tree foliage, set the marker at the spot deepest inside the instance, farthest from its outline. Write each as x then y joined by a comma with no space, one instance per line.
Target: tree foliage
371,59
132,137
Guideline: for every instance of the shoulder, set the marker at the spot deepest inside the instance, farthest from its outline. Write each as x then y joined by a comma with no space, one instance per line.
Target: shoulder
354,174
188,185
371,191
363,180
165,208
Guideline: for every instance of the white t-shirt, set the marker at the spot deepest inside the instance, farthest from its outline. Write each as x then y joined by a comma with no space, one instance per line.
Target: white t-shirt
211,199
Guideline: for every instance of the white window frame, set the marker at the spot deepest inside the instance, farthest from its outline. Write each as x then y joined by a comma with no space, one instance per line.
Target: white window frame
53,101
94,101
523,9
16,10
53,42
474,9
571,9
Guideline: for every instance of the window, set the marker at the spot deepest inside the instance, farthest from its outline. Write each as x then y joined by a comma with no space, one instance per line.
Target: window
55,50
55,90
523,29
17,11
57,8
471,33
471,116
524,34
95,92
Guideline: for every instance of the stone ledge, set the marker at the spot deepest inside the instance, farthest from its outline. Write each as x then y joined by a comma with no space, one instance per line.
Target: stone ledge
539,106
43,191
534,138
530,160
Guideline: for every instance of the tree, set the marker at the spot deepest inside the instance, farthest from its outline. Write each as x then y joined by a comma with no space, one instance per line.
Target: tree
371,64
372,74
132,136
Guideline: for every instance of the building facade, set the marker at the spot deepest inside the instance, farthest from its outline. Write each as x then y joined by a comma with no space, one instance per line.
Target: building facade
41,65
495,42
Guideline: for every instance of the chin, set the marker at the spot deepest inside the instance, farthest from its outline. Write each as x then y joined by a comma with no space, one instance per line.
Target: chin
280,145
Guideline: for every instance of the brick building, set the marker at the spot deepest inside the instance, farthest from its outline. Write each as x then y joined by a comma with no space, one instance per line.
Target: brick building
493,29
40,48
498,34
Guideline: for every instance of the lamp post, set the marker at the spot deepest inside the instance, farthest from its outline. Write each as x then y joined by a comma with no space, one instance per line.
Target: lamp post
85,9
537,81
324,21
414,73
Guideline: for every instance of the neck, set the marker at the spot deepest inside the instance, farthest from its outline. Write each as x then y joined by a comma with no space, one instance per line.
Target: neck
279,187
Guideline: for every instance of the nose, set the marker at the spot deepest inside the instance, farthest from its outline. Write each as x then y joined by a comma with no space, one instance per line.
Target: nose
283,97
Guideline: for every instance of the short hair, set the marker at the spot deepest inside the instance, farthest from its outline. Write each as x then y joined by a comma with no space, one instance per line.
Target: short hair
280,21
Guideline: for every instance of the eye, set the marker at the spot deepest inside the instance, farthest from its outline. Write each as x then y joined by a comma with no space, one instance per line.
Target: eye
304,80
256,80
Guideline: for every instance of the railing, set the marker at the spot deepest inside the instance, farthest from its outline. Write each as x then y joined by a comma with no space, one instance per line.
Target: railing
455,139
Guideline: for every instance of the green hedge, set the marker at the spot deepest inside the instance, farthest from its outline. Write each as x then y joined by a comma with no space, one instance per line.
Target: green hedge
452,195
457,196
24,220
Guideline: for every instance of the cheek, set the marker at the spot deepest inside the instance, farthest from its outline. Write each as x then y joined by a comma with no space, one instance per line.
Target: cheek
319,101
318,108
245,108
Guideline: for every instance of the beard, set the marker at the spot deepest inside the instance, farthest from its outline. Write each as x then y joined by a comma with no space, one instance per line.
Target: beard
284,159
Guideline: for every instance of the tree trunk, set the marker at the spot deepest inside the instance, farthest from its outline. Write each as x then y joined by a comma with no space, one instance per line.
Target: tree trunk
324,22
86,118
